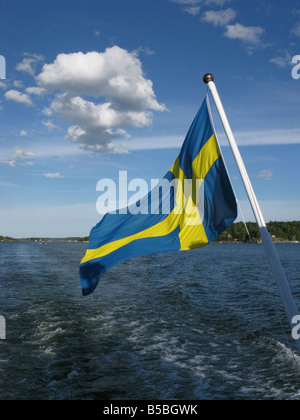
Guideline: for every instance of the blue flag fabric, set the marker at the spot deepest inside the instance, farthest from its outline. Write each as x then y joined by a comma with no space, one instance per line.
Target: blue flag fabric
200,201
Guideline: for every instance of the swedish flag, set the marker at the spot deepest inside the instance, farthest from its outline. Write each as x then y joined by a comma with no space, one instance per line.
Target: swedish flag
201,206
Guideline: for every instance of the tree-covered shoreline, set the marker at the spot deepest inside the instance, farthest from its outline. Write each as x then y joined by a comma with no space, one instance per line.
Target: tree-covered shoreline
6,238
280,231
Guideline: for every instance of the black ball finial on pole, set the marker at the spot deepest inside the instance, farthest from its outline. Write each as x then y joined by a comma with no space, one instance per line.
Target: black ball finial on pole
208,78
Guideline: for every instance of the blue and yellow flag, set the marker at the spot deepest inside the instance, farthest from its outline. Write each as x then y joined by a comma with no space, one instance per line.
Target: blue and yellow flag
200,201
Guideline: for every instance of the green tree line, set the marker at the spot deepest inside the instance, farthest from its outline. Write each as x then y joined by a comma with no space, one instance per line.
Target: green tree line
6,238
280,231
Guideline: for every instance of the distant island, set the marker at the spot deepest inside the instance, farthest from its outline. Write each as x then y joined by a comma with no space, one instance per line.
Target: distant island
46,239
280,232
7,238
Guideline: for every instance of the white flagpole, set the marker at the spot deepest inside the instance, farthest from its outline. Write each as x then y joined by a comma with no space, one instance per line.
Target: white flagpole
272,255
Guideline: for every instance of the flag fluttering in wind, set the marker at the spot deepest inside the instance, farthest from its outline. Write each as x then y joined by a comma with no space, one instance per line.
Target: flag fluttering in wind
191,206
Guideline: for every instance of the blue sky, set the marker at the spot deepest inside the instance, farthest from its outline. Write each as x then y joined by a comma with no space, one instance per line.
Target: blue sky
94,87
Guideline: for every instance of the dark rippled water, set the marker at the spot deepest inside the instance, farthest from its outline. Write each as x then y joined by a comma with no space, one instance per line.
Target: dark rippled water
196,325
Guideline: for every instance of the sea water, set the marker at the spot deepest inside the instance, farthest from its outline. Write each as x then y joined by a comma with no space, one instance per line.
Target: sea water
202,324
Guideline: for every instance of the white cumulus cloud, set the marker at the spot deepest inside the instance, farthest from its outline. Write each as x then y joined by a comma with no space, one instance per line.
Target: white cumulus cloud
20,158
23,133
250,36
284,60
34,90
296,30
19,154
28,64
53,175
49,124
247,34
15,95
116,74
193,10
219,17
123,97
266,174
11,163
